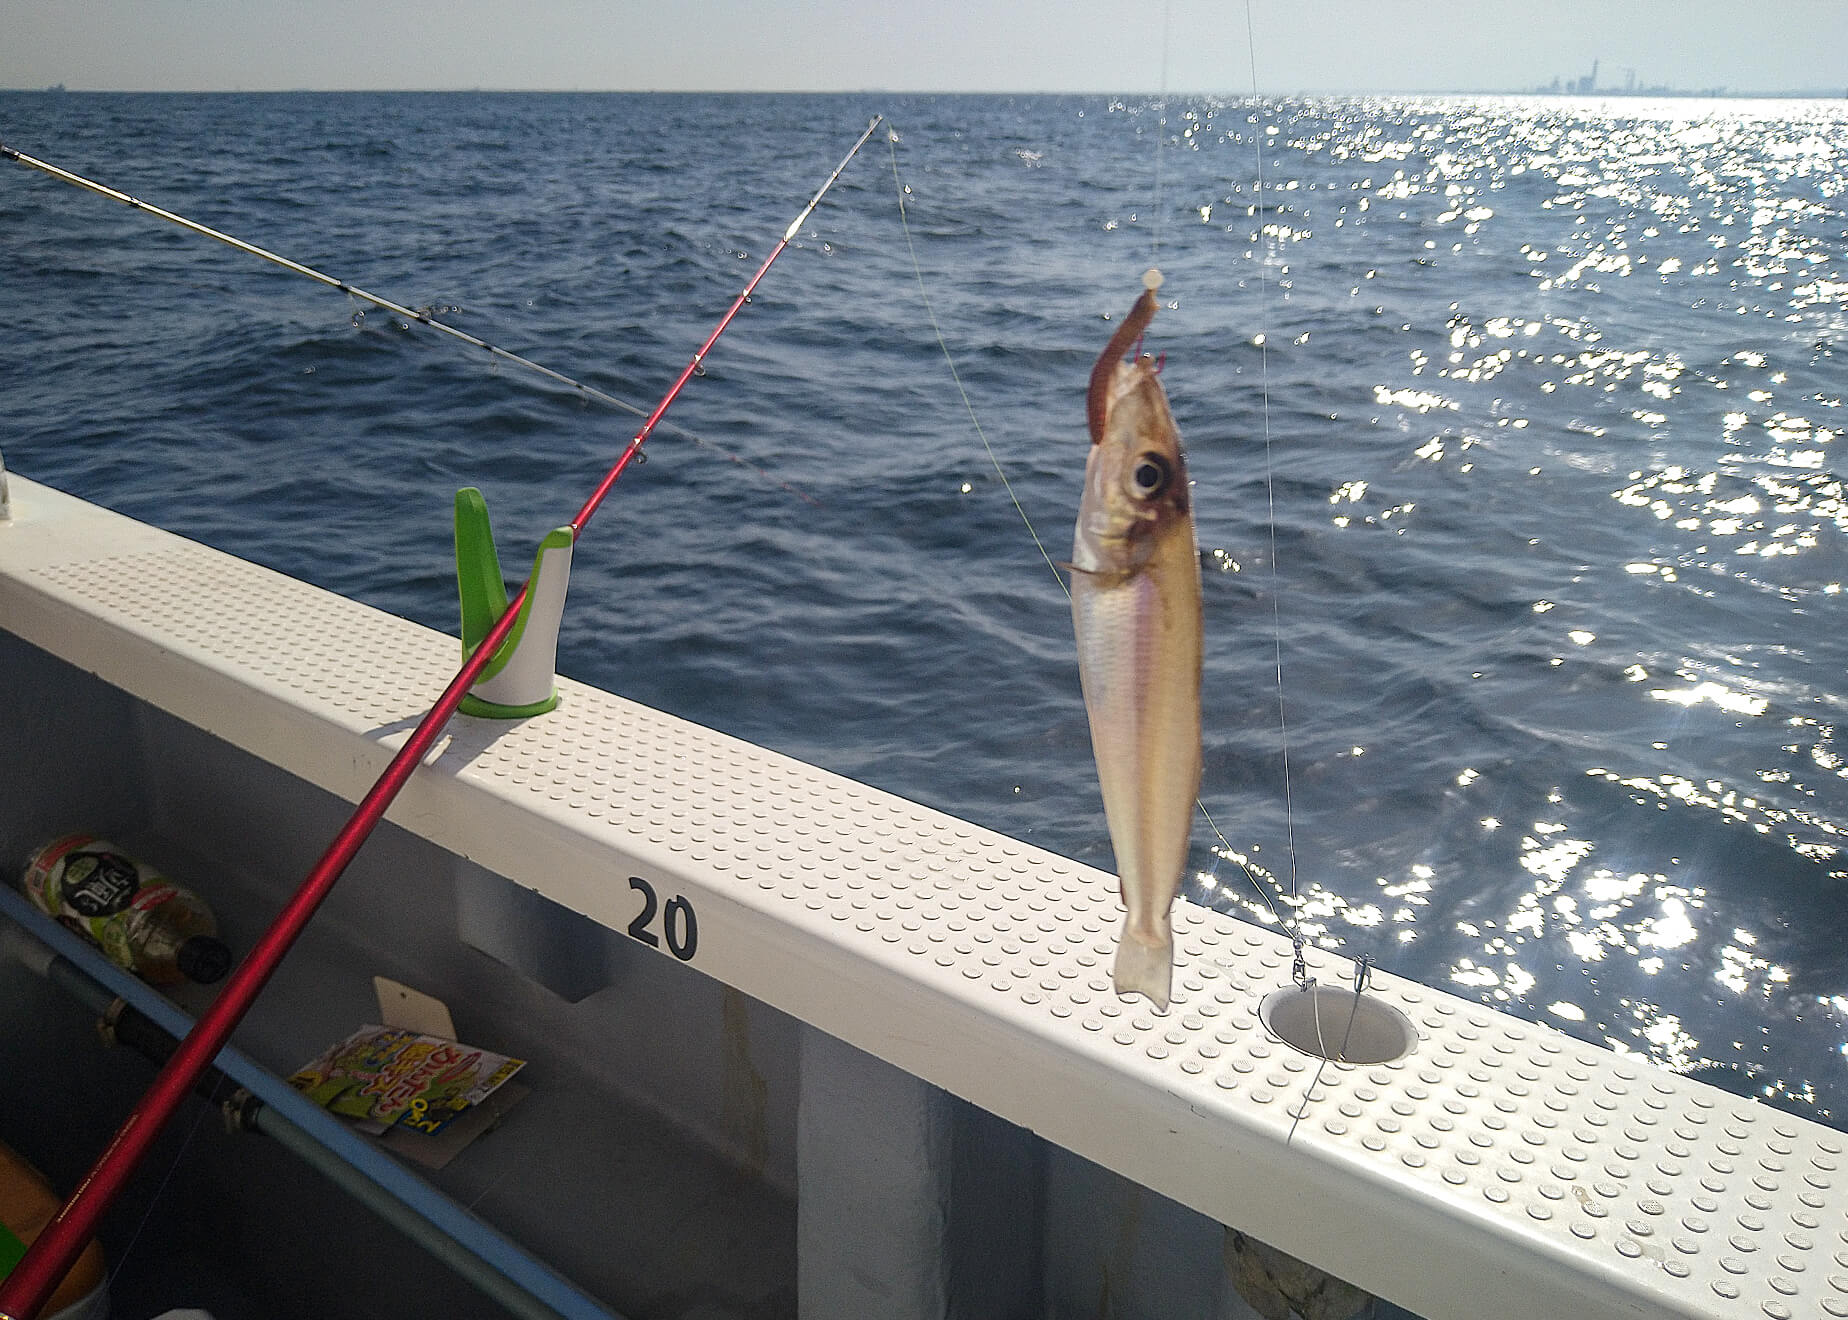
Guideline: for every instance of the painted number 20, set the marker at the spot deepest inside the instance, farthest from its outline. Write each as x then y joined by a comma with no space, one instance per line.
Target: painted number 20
677,921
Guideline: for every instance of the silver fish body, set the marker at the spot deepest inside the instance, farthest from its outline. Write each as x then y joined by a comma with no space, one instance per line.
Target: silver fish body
1136,612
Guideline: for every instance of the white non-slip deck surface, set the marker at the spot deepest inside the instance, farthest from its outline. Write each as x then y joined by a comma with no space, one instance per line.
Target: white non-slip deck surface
1500,1169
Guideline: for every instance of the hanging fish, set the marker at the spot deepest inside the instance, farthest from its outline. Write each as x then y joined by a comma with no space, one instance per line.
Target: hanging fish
1136,611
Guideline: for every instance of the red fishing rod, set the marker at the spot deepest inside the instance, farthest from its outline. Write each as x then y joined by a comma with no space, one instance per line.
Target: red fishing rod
24,1292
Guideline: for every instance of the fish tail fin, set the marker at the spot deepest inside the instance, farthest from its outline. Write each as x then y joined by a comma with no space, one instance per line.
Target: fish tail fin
1145,967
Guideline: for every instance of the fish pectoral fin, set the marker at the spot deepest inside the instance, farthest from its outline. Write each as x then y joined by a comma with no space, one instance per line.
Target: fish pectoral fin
1103,577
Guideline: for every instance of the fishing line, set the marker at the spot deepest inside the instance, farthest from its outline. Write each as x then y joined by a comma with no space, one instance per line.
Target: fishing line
955,375
1299,968
1161,133
1225,848
1363,973
495,353
1230,854
173,1167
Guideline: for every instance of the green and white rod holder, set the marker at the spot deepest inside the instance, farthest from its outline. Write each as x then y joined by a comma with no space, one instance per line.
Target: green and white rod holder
521,678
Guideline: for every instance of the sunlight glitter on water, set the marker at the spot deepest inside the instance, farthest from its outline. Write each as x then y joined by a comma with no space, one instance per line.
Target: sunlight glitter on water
1674,202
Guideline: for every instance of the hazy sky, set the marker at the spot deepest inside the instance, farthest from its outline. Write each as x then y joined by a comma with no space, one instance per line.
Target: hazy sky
950,45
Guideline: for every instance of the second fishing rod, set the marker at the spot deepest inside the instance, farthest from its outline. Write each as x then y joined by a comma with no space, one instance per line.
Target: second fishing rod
23,1293
407,314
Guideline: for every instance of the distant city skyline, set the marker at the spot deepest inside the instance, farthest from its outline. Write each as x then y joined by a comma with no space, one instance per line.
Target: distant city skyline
949,45
1636,83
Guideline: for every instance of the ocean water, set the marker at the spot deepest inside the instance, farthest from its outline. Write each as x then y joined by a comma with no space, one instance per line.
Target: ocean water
1516,427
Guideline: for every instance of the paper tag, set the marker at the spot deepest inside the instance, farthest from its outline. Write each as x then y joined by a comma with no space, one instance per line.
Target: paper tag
413,1010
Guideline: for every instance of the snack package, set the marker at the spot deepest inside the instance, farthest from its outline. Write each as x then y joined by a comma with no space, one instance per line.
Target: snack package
381,1076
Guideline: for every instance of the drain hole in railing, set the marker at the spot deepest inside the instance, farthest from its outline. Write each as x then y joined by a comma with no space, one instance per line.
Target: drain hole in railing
1331,1022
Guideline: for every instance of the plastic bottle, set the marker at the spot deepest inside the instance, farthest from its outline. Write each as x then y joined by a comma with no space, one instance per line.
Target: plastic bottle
27,1203
142,920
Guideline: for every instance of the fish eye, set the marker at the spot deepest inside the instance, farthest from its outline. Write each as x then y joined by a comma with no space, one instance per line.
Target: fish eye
1151,475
